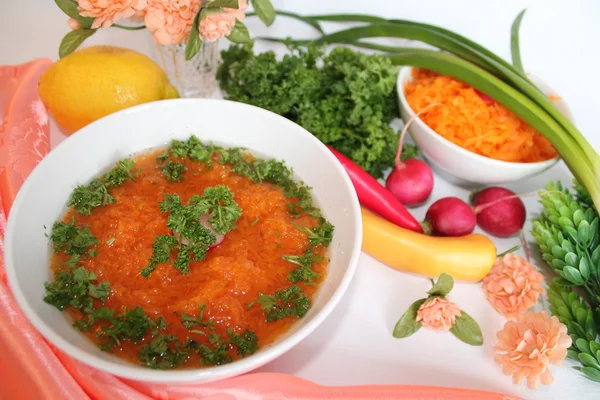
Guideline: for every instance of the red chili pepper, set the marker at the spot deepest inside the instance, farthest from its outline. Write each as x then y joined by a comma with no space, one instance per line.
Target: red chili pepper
375,196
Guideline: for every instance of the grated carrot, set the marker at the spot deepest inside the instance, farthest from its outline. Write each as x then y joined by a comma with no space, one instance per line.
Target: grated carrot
473,121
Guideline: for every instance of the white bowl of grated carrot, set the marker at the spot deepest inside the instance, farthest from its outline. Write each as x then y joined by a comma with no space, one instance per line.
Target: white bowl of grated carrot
468,135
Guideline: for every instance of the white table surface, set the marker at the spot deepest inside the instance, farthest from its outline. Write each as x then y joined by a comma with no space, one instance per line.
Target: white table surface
354,345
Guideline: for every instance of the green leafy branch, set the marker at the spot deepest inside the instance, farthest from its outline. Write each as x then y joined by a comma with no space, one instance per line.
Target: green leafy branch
465,328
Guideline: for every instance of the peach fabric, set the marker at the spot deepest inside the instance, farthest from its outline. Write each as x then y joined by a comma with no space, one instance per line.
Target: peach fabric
33,369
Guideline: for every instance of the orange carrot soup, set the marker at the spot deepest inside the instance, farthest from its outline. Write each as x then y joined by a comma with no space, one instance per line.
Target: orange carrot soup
473,121
192,256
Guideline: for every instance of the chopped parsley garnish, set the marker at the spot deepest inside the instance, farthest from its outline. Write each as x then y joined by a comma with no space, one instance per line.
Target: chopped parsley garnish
87,197
246,343
320,235
95,194
218,200
77,288
215,354
173,171
163,352
255,221
190,322
304,273
129,325
120,173
161,253
259,170
191,239
71,238
289,302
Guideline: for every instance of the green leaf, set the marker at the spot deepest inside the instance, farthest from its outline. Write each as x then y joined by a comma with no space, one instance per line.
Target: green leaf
588,361
584,269
514,41
584,233
573,355
595,348
194,42
596,256
264,10
205,12
591,373
407,324
571,259
73,40
239,33
467,330
563,282
583,345
223,3
443,286
578,216
69,7
573,275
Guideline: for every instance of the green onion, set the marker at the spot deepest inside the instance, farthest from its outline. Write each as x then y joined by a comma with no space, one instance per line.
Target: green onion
482,69
515,50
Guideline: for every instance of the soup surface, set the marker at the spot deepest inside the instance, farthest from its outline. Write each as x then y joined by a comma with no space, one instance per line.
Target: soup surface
193,256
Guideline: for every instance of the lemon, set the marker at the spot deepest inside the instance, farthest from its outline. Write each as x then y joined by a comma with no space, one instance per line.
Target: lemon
96,81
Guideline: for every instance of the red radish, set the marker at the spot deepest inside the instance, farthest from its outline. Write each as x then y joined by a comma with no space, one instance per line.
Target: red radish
411,181
499,211
449,216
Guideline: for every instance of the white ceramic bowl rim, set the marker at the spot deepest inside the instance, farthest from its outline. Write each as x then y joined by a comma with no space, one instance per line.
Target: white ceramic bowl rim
132,371
490,161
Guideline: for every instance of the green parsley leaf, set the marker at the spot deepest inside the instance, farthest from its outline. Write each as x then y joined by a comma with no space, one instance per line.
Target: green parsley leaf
246,343
85,198
284,303
161,253
71,238
215,355
120,173
320,235
163,352
173,171
224,210
75,288
190,322
129,325
304,273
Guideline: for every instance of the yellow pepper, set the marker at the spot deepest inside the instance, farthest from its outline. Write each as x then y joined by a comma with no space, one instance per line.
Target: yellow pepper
466,258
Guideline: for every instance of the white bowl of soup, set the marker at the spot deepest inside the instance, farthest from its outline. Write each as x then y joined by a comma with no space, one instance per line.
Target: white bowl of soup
184,240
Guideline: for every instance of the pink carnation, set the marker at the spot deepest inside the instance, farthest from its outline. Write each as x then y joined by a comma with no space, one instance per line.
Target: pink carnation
170,21
107,12
513,285
215,26
438,313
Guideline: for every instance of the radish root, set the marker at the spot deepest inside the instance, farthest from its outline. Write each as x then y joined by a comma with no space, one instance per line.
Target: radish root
397,160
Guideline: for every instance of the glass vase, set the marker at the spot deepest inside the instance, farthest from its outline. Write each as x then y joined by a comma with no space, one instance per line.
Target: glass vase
194,78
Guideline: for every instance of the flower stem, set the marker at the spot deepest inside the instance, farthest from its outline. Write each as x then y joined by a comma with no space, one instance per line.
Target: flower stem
511,250
129,28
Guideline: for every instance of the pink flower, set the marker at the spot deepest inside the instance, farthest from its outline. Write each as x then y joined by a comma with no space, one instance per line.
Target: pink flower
215,26
107,12
438,314
73,23
170,21
513,285
528,346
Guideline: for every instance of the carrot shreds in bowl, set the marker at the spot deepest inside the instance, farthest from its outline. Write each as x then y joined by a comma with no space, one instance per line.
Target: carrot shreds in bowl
473,121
